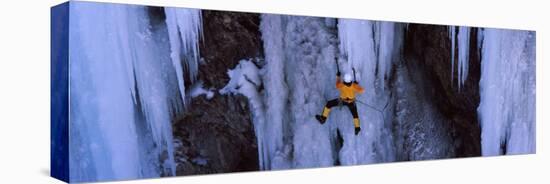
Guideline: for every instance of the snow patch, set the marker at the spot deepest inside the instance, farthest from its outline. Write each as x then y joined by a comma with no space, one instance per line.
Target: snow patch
197,90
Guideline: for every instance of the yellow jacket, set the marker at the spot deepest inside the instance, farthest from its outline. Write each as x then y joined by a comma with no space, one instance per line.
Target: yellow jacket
347,93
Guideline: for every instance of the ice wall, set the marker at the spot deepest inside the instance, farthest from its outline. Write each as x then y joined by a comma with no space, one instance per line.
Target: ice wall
301,55
388,42
507,91
276,92
122,88
371,49
299,76
310,45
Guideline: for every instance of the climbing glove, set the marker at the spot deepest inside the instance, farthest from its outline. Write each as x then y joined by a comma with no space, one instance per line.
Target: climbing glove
357,129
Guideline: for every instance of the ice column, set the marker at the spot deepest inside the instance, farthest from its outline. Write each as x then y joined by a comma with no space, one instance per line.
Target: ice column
275,87
463,38
122,88
369,44
507,92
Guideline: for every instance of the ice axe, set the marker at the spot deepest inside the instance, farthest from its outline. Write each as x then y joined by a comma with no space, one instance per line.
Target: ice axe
354,79
337,66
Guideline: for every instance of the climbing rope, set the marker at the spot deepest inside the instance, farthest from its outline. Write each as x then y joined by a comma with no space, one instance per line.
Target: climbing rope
376,109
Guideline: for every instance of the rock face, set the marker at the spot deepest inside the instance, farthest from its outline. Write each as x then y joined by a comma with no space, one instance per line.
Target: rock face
217,135
428,47
229,37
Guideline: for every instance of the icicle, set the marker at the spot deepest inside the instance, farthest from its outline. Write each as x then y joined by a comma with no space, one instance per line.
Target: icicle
121,95
184,30
452,38
463,54
463,38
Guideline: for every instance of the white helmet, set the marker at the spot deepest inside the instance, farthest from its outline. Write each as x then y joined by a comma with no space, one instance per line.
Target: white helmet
347,78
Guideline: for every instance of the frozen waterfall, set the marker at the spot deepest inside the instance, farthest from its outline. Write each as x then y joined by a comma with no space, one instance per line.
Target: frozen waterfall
134,69
369,53
507,91
122,91
301,54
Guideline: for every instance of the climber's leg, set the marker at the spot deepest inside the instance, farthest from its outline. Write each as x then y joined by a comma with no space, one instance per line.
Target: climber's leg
326,110
356,123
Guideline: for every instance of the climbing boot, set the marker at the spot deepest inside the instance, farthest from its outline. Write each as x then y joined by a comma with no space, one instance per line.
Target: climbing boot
321,119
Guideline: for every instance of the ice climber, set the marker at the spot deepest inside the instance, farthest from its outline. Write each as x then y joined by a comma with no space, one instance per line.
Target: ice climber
347,90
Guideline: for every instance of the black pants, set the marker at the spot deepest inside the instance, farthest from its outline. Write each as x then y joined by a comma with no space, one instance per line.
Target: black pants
351,106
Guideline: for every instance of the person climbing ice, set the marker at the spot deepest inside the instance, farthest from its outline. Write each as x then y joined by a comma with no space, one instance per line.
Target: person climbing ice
347,90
